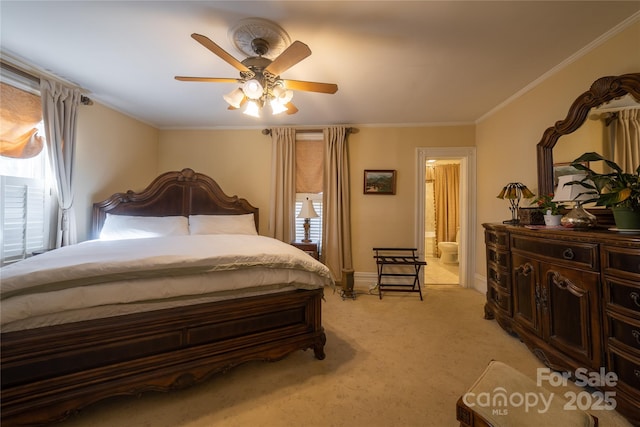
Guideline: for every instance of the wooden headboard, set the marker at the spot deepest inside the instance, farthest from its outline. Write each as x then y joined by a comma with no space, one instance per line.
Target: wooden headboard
171,194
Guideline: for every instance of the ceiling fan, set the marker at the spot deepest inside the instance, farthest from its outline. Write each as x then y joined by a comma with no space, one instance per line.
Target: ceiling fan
259,75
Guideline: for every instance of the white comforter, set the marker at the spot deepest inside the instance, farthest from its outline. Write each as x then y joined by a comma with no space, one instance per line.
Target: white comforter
130,272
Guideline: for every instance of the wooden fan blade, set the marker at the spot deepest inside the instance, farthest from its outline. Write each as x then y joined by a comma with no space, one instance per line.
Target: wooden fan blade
207,79
291,109
293,54
206,42
311,86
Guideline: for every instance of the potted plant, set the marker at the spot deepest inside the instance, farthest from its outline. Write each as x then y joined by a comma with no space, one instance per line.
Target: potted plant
549,208
617,190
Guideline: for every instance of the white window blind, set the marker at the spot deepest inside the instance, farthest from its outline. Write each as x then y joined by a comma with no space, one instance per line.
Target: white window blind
25,204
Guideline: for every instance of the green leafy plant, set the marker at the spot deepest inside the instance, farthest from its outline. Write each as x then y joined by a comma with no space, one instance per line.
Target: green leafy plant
615,189
545,204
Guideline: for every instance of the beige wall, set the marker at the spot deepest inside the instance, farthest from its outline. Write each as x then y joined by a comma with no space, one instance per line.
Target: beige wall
390,221
506,141
240,161
114,153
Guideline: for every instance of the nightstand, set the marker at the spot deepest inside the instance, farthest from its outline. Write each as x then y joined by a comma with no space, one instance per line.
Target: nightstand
309,247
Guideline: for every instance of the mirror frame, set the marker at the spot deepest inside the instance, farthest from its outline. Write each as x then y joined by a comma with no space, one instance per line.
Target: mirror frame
602,90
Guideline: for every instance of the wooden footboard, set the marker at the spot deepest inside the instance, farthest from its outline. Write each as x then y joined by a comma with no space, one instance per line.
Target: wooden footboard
50,373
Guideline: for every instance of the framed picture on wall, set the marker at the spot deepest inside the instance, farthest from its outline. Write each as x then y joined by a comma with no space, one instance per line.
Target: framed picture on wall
379,181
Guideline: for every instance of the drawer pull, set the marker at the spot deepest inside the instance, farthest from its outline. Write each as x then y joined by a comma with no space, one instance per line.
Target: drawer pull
568,254
635,297
525,269
636,334
636,372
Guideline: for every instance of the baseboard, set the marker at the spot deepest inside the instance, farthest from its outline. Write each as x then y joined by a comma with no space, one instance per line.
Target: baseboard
480,283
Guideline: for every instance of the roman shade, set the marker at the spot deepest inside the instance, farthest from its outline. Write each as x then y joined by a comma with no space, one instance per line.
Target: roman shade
20,114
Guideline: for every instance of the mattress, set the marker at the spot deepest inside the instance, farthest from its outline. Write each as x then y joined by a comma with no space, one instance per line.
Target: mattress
102,278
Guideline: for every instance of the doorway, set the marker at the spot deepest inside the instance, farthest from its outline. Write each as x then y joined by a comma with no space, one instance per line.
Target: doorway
442,221
466,157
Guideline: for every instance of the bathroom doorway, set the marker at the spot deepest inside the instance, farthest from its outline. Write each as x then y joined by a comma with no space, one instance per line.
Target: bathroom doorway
466,156
442,221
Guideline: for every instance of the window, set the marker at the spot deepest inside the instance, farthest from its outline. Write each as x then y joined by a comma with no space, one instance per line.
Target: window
25,181
309,182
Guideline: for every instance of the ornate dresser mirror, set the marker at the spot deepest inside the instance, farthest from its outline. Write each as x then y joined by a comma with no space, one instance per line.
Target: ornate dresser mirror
603,90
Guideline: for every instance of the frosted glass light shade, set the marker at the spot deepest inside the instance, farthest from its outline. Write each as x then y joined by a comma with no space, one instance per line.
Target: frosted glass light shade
234,98
253,89
252,109
277,107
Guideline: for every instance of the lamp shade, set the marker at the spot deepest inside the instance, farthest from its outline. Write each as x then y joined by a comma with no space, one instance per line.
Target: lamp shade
253,89
252,109
573,192
277,107
307,210
234,98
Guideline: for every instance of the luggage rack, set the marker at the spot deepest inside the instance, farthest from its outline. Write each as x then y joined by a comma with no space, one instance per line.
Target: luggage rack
408,266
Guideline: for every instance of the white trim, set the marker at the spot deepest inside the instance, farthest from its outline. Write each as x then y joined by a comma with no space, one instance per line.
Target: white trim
468,191
480,283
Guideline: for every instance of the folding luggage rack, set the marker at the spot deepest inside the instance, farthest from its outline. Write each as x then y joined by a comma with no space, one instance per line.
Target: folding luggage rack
407,265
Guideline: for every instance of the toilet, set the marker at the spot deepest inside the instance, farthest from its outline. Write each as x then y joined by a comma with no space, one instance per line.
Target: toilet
449,250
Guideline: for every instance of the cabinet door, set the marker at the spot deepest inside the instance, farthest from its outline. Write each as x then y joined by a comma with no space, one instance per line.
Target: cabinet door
570,313
526,293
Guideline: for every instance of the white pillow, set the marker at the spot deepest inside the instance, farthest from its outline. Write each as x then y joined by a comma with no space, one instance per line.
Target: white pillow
222,224
135,227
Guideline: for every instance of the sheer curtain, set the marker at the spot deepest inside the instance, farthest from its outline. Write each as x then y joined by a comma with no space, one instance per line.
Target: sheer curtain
447,201
626,139
59,112
283,185
336,235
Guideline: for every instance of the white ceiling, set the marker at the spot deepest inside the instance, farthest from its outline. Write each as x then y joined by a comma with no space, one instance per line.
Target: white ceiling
395,62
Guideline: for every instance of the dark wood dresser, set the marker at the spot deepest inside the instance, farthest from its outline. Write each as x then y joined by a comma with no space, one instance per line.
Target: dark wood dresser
573,297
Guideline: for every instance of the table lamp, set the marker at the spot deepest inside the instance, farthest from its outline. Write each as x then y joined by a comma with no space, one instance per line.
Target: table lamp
307,212
569,190
513,192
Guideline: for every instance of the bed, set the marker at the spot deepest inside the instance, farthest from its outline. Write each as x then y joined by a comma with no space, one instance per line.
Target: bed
56,360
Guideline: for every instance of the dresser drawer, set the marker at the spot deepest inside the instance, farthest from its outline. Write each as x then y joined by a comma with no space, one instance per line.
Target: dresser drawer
499,299
499,277
626,366
499,239
572,254
497,257
621,262
624,330
622,295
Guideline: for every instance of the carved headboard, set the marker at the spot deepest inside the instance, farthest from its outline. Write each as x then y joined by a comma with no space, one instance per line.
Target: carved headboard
171,194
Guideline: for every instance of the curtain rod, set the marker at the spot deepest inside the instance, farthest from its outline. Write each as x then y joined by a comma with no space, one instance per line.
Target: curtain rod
349,130
84,100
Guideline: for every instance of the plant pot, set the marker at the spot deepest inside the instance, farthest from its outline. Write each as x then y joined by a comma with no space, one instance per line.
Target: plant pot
552,220
626,218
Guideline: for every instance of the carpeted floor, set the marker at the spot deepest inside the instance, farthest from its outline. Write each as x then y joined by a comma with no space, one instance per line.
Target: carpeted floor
391,362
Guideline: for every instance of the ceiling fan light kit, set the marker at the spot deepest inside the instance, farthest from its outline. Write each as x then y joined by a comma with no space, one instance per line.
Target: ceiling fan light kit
260,78
235,97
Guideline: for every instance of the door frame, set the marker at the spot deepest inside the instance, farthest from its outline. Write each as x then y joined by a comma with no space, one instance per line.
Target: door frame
468,191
